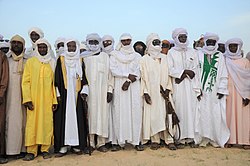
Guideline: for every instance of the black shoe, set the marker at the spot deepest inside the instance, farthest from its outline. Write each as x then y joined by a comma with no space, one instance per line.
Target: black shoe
29,157
115,148
58,155
193,145
172,146
102,149
46,155
139,147
87,149
3,160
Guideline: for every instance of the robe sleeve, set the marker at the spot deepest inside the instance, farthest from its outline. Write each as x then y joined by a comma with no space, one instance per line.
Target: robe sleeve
144,78
135,68
174,71
115,69
26,83
111,82
4,75
223,77
84,81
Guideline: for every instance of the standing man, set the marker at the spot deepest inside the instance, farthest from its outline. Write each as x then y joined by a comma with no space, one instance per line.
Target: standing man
15,111
140,47
165,46
238,107
39,97
59,46
70,117
210,123
100,92
155,78
107,44
127,110
4,79
183,68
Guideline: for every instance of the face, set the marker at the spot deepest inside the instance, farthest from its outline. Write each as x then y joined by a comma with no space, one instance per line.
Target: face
61,44
34,36
93,42
139,48
156,42
16,47
182,38
107,43
5,49
42,49
233,47
210,42
71,46
126,42
221,47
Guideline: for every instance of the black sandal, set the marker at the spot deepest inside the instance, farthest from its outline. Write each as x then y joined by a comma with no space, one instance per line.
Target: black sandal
29,157
154,146
115,148
46,155
102,149
172,146
139,147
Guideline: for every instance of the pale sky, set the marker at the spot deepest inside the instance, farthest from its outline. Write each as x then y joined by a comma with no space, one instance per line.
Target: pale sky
77,18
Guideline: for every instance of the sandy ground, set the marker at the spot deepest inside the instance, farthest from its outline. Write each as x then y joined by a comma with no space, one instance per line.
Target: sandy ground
129,157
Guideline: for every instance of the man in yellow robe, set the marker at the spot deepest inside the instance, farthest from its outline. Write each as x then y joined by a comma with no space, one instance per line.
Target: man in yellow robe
39,97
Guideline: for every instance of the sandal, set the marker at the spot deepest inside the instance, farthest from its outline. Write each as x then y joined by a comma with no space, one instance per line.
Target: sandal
46,155
102,149
246,147
172,146
154,146
115,148
193,145
87,149
139,147
29,157
3,160
58,155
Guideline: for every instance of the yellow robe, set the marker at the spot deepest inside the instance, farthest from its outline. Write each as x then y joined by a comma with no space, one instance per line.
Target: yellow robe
38,87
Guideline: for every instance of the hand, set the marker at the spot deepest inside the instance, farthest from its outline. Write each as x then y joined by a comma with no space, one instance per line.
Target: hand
178,80
199,97
220,95
84,96
1,100
245,102
29,105
59,99
147,98
54,107
164,94
190,73
125,85
109,97
132,77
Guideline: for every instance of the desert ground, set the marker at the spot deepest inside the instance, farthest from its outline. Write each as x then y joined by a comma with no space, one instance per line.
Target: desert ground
209,156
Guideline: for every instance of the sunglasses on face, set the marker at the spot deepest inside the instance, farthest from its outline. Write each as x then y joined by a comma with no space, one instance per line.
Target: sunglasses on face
164,45
108,42
4,40
156,42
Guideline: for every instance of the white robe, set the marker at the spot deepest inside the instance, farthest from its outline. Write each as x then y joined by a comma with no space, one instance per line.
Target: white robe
154,74
211,117
127,109
98,75
15,112
71,127
185,94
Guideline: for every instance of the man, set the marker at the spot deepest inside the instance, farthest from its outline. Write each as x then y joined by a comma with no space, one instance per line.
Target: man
127,110
5,46
15,111
4,79
183,68
70,117
100,92
165,46
34,34
59,46
107,44
238,107
155,78
140,47
39,97
211,117
221,47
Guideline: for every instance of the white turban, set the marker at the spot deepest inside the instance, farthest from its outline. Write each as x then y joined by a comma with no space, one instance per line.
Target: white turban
153,51
178,44
236,55
1,37
38,31
61,49
94,36
125,49
210,49
109,48
5,44
72,59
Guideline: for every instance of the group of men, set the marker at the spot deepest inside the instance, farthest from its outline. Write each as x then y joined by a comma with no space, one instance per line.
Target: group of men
91,95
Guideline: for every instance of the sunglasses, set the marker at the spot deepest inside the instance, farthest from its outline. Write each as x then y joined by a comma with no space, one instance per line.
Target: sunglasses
107,42
164,45
4,40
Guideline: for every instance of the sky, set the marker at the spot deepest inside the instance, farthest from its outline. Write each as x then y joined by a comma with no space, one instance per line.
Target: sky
77,18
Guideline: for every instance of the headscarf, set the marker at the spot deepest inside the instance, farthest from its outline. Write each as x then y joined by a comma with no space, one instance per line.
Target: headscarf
5,44
38,31
93,48
61,49
210,49
125,49
153,51
240,76
248,56
18,58
83,46
109,48
46,58
143,46
1,37
72,59
178,45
